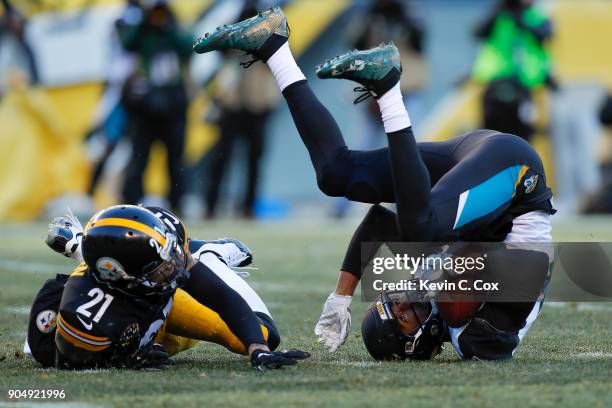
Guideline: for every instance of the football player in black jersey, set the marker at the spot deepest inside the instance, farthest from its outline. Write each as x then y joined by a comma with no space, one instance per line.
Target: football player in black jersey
122,306
480,186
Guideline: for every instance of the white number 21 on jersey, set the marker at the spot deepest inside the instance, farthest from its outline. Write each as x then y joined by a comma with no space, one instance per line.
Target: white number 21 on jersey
98,295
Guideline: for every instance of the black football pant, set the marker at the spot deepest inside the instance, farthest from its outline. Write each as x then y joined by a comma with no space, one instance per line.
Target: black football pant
171,132
443,190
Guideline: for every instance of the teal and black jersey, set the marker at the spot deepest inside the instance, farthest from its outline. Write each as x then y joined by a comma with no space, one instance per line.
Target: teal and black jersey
490,178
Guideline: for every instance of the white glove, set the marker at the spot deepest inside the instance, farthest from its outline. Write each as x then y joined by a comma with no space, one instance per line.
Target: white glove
334,325
65,236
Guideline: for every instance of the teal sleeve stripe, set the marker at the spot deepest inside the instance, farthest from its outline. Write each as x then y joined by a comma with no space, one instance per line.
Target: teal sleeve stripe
487,196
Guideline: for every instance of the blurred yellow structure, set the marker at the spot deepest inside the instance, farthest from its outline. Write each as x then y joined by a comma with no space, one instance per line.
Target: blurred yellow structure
42,129
186,10
40,155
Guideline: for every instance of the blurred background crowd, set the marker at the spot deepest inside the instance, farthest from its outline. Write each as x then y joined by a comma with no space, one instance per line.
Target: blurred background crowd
102,101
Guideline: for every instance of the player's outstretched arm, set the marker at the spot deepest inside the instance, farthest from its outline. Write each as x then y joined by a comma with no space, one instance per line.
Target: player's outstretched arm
334,324
379,225
208,289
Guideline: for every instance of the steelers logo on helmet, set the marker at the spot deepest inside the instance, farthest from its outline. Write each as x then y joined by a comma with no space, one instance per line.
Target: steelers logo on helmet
110,269
131,250
46,321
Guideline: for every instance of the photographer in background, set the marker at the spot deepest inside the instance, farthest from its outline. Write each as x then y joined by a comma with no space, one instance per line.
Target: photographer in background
514,40
155,97
512,61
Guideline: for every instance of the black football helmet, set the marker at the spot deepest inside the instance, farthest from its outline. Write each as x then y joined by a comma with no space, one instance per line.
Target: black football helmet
129,249
385,341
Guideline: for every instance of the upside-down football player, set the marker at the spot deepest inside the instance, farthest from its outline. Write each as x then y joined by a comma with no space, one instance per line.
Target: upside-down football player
145,291
481,186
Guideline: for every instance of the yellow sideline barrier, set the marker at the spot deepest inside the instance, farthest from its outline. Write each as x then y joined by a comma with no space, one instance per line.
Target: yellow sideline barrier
186,10
582,40
40,148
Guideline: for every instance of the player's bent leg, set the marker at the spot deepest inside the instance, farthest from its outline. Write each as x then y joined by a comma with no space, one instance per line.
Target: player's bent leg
362,176
340,172
379,71
235,282
192,320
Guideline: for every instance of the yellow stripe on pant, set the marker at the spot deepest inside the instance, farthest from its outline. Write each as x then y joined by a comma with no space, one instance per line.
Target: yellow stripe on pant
190,322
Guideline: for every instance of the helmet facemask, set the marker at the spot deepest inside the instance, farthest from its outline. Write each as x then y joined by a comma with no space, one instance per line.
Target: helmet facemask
164,277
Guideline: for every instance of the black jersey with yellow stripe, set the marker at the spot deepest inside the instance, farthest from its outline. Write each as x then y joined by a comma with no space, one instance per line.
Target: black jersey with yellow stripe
97,327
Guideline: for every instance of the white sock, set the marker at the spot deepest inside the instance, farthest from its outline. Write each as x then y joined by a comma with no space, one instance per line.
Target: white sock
284,68
394,114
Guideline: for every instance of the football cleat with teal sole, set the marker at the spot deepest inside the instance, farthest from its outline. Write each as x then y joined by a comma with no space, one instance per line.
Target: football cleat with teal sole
377,69
259,36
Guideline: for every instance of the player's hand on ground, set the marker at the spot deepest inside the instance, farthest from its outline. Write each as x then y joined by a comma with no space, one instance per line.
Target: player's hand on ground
154,357
334,325
270,360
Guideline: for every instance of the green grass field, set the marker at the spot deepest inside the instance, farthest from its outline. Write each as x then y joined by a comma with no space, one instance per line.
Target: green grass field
566,360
